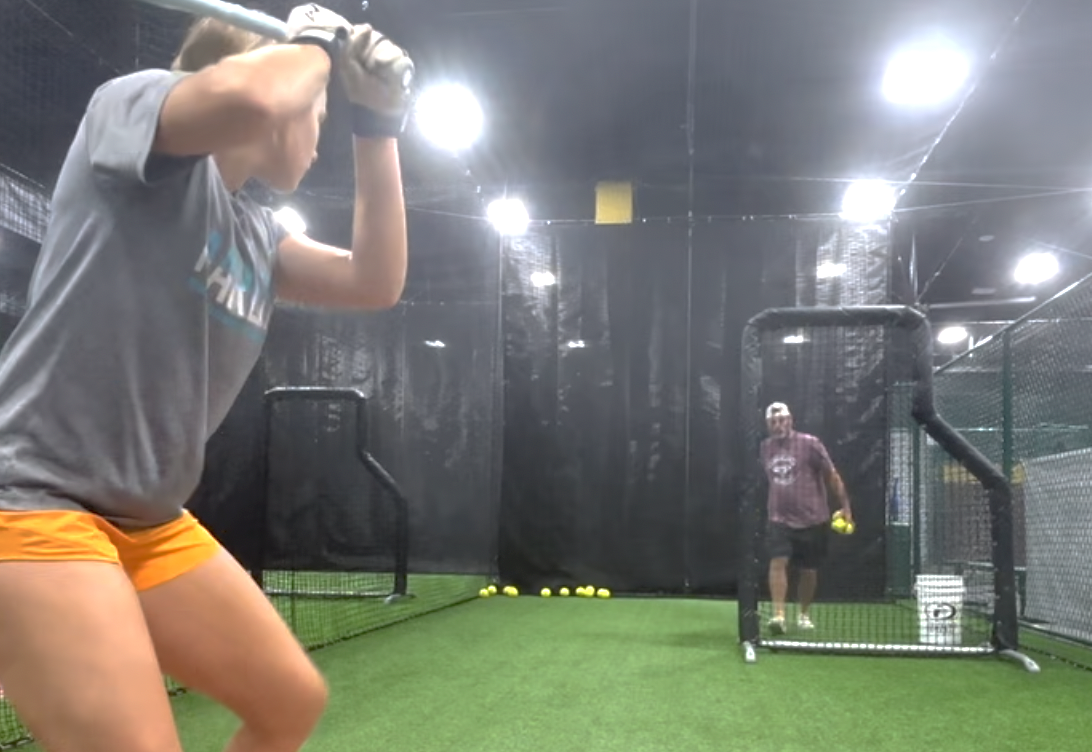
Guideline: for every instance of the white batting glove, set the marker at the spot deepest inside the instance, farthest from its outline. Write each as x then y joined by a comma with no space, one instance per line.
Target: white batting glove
311,17
375,72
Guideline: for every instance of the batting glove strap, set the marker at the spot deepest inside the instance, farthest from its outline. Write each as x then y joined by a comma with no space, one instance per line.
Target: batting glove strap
331,40
367,123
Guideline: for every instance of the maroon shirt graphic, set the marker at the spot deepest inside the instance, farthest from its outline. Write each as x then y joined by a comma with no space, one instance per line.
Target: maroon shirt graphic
795,467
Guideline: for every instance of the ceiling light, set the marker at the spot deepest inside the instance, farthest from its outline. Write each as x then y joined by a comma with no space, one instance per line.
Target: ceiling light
1036,268
508,215
926,74
952,335
290,220
543,279
868,201
449,116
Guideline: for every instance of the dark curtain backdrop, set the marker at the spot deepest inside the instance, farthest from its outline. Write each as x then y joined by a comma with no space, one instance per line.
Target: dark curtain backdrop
622,382
585,431
430,371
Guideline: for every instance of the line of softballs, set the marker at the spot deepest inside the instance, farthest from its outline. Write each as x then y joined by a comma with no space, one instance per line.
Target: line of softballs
587,591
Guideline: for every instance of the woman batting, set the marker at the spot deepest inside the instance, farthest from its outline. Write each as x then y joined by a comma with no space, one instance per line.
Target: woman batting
146,312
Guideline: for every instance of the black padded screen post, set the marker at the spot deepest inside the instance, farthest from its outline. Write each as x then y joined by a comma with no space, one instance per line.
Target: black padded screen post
400,544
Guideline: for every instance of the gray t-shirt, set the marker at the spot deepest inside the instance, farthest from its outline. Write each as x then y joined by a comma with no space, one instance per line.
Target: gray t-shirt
146,313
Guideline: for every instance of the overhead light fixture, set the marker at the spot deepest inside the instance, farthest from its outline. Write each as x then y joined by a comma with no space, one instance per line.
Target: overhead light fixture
952,335
508,215
543,279
828,270
867,201
1036,268
925,74
290,220
449,116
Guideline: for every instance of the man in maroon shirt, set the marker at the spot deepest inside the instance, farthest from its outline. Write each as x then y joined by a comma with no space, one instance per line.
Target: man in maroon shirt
799,471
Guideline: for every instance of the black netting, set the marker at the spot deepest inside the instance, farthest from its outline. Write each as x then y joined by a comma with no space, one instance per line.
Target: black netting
920,572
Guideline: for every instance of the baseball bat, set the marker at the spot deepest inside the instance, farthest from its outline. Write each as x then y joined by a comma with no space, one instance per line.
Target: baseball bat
255,21
230,13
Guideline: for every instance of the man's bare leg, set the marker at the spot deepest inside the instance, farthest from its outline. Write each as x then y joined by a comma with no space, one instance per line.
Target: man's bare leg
809,579
779,587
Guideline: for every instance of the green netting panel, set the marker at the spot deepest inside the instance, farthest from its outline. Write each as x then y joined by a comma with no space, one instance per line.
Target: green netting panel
1024,398
326,607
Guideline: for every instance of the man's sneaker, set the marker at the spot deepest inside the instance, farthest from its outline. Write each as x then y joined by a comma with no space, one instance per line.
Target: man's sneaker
777,625
804,622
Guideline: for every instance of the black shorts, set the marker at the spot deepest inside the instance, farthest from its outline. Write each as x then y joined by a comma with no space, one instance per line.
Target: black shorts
804,547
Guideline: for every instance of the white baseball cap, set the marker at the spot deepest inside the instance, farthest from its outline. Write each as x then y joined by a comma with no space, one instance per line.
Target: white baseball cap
777,409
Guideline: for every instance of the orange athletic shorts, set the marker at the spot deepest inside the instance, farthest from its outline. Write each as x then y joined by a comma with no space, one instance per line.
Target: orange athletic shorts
150,556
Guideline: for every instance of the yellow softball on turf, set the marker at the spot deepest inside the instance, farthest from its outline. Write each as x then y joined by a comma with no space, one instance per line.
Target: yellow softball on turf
603,592
545,592
492,589
510,591
484,593
563,592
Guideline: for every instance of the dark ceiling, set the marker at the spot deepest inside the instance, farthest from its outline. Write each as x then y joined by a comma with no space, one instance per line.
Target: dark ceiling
779,100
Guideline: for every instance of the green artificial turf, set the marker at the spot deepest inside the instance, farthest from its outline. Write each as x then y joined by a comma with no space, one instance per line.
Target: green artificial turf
635,675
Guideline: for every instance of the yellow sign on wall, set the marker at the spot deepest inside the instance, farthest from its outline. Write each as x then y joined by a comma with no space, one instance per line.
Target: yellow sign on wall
614,203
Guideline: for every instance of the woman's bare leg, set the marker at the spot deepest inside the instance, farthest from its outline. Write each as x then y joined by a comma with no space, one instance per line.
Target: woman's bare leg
77,661
217,633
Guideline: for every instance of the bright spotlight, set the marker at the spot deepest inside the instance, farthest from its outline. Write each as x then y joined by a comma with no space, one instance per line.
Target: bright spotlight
952,335
543,279
868,201
450,117
925,75
290,220
829,270
1036,268
508,215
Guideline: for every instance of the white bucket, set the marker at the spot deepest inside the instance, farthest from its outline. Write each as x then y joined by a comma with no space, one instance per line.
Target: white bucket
940,609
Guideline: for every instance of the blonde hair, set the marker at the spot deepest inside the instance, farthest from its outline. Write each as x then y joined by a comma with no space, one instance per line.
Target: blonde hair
209,41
